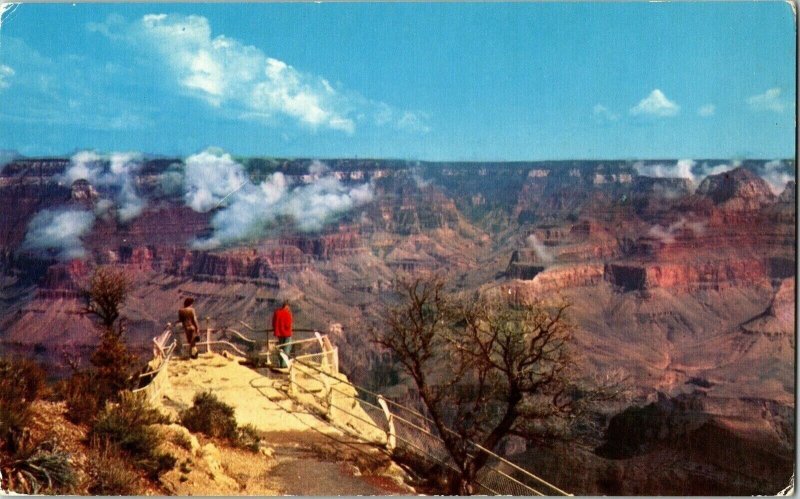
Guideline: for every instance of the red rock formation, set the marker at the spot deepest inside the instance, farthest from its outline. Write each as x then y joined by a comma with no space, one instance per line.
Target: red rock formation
779,318
553,279
346,241
736,190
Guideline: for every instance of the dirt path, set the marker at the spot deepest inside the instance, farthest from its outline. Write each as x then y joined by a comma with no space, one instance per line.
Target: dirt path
318,465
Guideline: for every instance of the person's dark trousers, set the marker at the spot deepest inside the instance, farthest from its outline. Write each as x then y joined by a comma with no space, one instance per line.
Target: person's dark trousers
287,349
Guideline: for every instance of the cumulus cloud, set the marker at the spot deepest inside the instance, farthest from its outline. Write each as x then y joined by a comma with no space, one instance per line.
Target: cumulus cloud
58,233
224,71
542,254
777,174
707,169
602,114
114,172
214,179
656,104
171,180
768,101
241,79
681,169
668,235
6,72
209,177
707,110
684,168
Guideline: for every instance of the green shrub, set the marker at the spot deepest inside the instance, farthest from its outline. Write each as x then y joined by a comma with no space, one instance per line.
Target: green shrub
21,382
22,379
248,437
210,416
13,427
127,426
113,364
83,402
182,440
109,473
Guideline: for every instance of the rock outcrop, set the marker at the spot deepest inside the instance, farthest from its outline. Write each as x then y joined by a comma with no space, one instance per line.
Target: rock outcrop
738,189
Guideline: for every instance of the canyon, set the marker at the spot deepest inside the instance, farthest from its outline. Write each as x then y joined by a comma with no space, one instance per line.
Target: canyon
687,285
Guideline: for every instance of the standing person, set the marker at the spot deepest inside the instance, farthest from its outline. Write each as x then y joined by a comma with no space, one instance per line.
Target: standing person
282,328
188,318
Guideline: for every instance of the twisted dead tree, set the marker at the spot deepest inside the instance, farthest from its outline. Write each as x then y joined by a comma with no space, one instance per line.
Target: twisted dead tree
485,369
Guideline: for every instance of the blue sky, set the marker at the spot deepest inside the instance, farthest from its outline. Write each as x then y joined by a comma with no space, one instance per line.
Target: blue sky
479,81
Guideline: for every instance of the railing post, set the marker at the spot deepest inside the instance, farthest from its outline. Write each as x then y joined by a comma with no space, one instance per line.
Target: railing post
319,339
326,386
325,363
156,347
336,360
289,364
208,335
391,439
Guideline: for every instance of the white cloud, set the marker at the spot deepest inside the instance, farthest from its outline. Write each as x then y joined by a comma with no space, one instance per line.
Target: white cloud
669,234
115,171
656,104
209,177
542,254
768,101
776,174
213,178
224,71
602,114
111,28
414,122
242,81
707,170
58,233
707,110
681,169
6,72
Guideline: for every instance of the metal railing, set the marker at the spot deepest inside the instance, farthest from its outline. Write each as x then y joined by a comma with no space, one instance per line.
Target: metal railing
150,381
233,340
371,416
315,382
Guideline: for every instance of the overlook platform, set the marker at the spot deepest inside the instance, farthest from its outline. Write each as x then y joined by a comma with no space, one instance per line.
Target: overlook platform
308,455
312,400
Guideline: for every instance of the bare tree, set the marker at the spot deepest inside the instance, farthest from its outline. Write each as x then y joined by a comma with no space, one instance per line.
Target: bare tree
485,369
112,364
106,294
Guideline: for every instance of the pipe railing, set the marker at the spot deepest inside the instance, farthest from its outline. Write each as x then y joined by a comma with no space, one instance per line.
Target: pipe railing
401,432
162,353
255,350
395,430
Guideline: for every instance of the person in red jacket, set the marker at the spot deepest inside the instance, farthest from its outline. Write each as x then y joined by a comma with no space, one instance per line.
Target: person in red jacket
282,327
